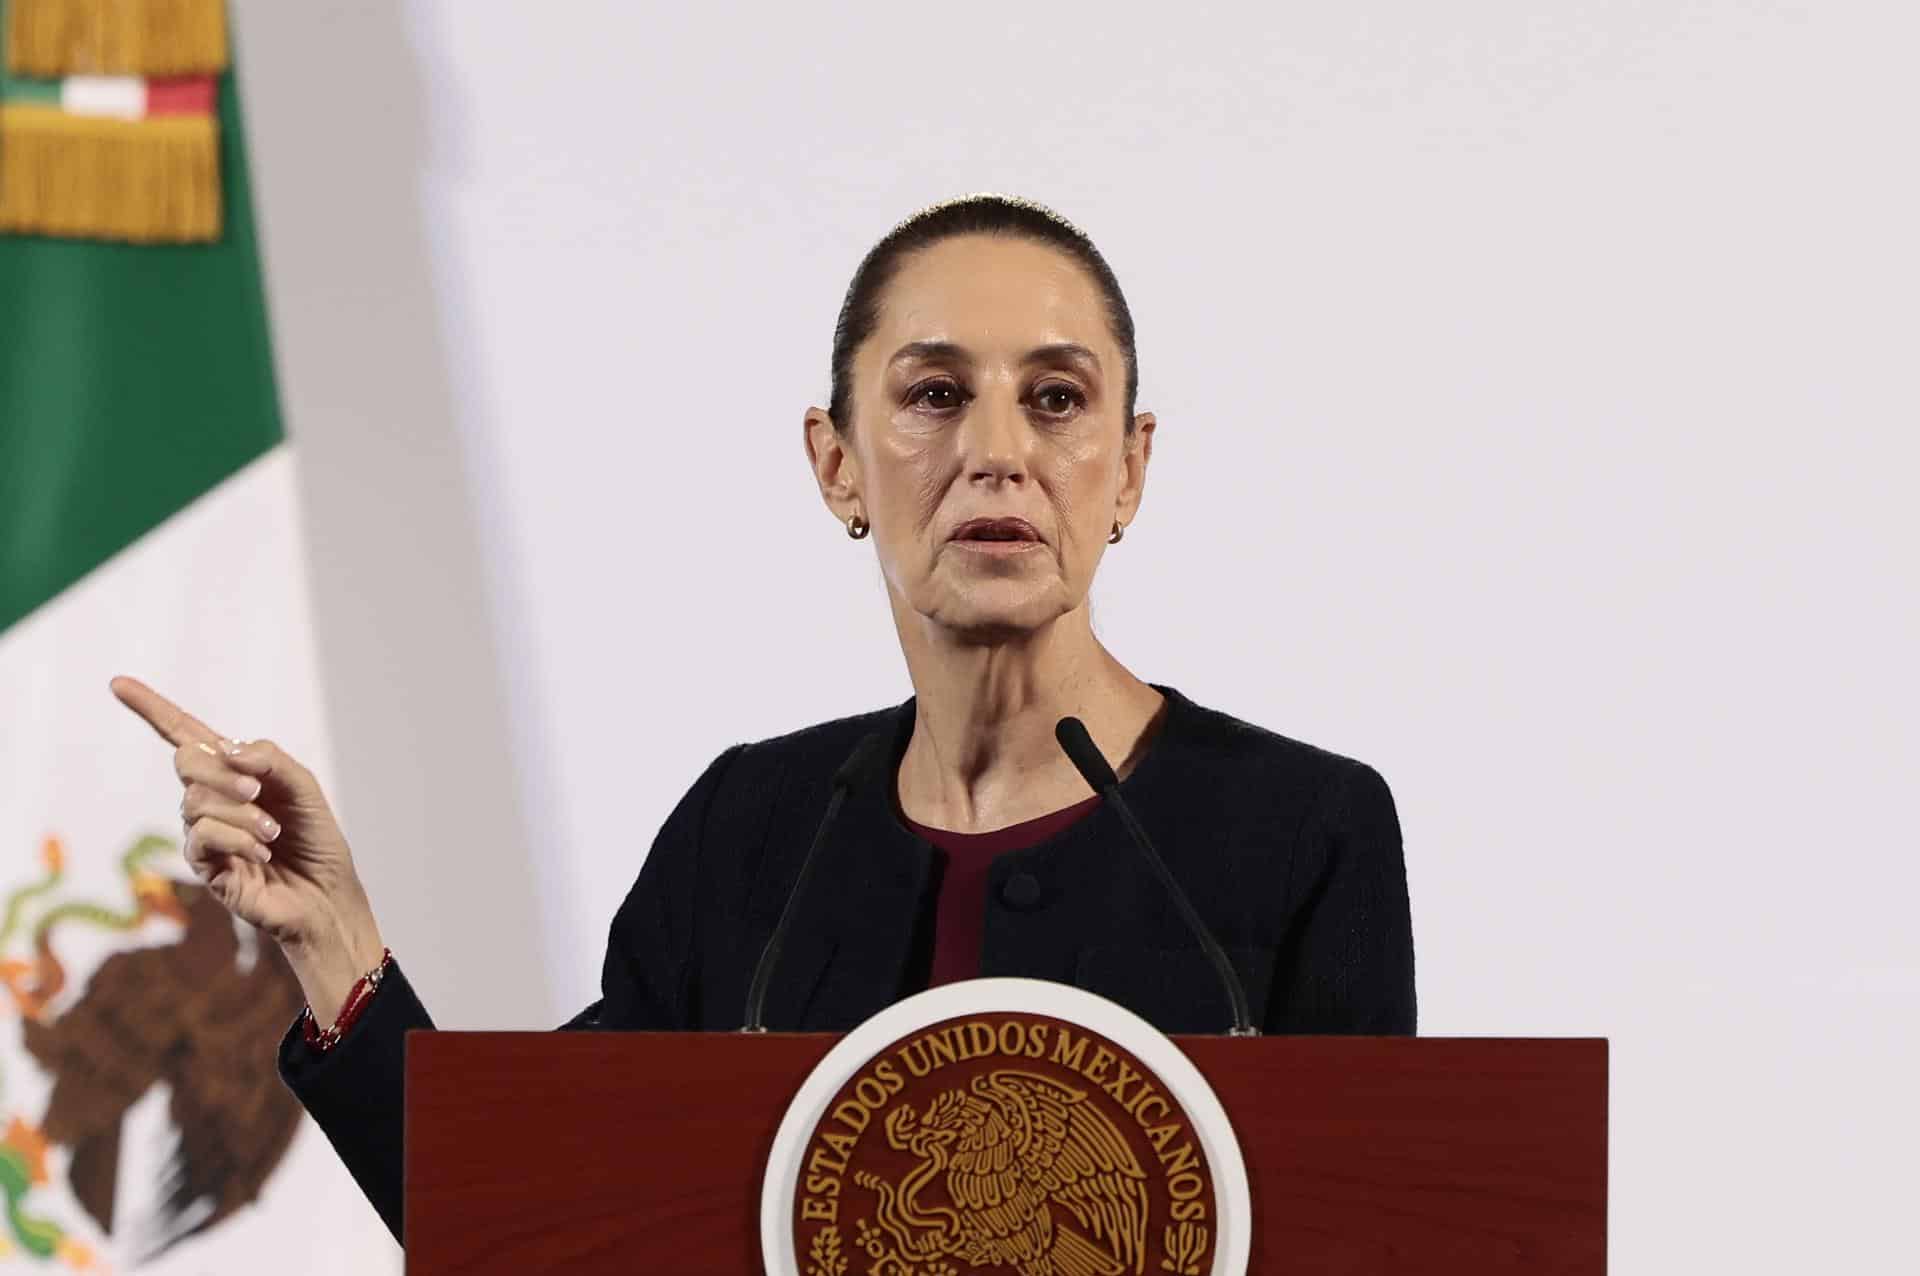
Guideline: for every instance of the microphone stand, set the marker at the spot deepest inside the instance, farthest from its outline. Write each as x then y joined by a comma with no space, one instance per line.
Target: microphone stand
1098,773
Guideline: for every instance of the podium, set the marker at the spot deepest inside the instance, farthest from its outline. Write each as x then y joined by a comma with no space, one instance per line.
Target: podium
585,1152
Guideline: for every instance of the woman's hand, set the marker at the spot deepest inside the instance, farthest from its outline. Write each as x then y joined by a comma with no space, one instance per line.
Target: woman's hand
261,835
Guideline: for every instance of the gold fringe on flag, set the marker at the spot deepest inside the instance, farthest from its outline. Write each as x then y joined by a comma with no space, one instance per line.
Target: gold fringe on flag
54,38
89,177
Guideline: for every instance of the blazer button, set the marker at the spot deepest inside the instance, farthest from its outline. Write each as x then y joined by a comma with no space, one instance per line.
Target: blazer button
1022,891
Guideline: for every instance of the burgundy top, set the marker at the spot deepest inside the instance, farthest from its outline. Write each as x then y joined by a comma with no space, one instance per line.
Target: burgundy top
960,911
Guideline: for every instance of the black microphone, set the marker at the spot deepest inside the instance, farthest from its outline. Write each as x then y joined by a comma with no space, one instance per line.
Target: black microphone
1093,767
770,955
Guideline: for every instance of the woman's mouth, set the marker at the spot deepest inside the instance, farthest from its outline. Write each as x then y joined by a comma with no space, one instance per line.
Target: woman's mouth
1004,535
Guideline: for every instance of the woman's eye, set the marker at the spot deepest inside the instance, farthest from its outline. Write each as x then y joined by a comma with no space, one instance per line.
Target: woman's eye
937,388
1072,398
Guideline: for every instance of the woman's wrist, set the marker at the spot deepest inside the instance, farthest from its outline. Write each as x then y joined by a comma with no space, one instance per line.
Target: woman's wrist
331,959
320,1039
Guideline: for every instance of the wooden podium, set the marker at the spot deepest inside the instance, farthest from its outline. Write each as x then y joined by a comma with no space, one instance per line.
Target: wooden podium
582,1152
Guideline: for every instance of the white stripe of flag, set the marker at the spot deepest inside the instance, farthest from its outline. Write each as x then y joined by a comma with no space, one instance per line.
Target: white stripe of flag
120,96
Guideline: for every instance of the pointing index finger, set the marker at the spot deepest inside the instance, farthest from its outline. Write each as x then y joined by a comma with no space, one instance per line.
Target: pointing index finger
174,724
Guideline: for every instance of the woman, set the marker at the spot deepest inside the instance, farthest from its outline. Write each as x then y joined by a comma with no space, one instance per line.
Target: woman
982,431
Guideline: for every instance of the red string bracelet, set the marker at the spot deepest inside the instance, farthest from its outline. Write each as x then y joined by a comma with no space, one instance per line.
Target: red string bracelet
325,1039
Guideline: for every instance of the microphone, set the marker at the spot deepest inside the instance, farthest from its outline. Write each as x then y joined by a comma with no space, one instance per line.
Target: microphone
1093,768
770,955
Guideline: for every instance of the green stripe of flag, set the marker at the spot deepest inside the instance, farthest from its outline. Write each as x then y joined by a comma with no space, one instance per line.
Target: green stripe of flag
132,379
18,88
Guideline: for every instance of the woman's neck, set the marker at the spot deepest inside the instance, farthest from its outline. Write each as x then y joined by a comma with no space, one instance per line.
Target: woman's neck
983,754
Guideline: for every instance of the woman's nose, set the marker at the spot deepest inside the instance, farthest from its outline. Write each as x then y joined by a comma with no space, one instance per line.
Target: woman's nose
993,438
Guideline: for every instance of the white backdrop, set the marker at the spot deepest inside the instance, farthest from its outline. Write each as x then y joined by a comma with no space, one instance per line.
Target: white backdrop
1536,401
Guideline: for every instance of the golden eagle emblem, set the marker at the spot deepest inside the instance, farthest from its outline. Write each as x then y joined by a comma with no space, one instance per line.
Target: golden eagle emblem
1036,1178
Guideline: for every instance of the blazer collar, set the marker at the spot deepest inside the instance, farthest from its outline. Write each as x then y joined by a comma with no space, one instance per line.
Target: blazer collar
875,788
848,961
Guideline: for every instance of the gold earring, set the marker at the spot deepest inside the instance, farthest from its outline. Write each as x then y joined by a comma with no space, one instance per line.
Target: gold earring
1118,532
858,527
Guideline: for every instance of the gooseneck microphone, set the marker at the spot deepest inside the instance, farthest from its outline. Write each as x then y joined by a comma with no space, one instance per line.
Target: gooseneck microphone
1093,767
770,955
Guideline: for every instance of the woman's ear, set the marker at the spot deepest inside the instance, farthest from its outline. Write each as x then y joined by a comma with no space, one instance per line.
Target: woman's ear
834,466
1134,482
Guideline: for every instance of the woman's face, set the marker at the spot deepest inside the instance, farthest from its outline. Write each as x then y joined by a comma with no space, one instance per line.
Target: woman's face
990,388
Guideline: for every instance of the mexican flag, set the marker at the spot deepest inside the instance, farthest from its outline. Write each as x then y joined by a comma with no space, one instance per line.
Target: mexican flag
149,524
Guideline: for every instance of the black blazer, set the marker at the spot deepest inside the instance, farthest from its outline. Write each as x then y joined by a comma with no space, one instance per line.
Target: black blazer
1292,854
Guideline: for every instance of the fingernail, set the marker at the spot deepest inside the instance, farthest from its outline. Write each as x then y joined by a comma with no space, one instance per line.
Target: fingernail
251,789
269,827
265,855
